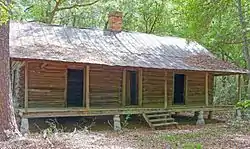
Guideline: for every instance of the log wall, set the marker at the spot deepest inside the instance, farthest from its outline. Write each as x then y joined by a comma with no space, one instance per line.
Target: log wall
196,88
153,88
46,85
105,86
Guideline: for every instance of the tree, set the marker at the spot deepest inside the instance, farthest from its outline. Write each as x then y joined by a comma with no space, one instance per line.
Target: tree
245,48
8,126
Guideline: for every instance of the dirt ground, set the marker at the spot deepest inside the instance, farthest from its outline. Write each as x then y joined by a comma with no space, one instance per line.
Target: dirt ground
213,135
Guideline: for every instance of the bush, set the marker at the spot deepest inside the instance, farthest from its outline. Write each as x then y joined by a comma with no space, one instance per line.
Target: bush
245,104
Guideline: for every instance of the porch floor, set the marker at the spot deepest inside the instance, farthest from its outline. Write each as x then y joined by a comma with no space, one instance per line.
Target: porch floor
81,111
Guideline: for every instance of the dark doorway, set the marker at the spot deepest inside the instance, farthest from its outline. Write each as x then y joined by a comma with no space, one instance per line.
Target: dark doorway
179,87
75,88
133,88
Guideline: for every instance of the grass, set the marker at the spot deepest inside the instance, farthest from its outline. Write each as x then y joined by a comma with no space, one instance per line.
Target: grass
186,140
193,139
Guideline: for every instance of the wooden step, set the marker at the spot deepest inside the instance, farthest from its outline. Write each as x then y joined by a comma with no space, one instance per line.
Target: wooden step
161,119
157,115
156,112
164,124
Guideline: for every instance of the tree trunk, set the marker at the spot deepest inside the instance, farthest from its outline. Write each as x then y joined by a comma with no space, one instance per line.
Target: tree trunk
244,38
8,126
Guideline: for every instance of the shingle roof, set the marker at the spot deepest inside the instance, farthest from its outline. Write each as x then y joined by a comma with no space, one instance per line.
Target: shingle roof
60,43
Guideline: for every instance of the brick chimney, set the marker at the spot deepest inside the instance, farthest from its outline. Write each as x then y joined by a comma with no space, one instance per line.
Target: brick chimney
115,21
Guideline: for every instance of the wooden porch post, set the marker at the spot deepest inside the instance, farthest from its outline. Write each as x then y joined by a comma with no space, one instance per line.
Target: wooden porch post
165,90
26,98
66,87
124,80
206,88
140,87
186,89
87,86
239,87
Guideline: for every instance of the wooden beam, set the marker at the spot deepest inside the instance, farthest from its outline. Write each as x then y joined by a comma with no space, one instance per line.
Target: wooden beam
124,80
26,92
165,90
65,87
173,86
239,87
206,88
186,89
87,87
140,87
84,87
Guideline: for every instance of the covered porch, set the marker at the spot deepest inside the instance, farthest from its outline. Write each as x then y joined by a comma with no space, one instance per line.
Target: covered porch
155,90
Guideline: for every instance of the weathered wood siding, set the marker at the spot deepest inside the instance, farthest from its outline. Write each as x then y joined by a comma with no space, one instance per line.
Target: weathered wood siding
153,88
46,85
196,89
195,94
105,86
170,87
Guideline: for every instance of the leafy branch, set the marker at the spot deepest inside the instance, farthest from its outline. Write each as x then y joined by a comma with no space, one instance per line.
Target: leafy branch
78,5
4,11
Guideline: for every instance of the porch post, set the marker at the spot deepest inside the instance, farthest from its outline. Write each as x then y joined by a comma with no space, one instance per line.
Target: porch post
140,87
26,87
66,87
186,89
165,90
206,88
239,87
124,80
87,86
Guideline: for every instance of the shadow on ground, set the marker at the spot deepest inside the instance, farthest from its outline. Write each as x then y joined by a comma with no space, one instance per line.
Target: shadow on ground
101,123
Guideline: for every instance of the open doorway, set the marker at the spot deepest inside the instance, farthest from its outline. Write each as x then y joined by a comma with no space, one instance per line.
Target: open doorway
75,88
179,89
132,88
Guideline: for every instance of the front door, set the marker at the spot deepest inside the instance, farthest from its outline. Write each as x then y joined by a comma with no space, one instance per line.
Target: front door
75,88
179,88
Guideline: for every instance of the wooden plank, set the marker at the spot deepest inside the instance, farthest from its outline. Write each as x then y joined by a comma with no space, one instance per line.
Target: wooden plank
87,86
76,111
186,90
128,99
65,87
140,87
206,88
173,88
239,87
124,87
165,90
84,88
26,92
147,120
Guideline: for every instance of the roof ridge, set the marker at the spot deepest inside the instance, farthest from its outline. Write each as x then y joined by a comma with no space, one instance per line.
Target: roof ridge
96,28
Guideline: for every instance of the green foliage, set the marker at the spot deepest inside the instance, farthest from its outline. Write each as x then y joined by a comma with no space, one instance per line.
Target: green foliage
125,123
243,104
4,12
192,146
176,138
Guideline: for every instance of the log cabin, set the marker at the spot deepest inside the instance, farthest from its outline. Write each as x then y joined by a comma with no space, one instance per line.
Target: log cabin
60,71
